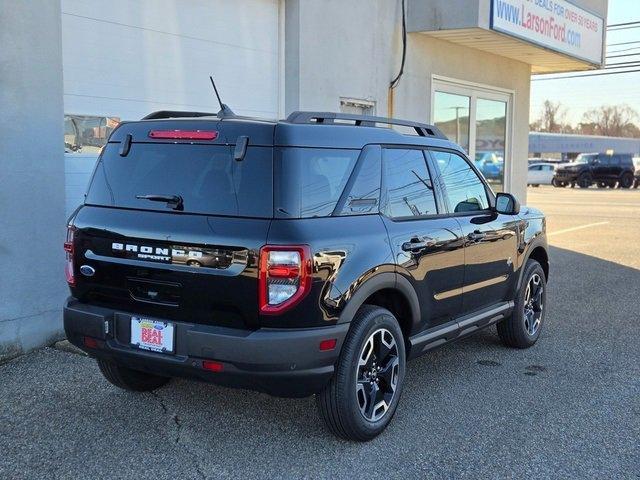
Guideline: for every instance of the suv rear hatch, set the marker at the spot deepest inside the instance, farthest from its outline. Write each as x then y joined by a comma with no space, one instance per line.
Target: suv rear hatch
172,224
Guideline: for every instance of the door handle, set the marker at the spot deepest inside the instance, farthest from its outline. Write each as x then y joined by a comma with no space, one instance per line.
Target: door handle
417,244
476,236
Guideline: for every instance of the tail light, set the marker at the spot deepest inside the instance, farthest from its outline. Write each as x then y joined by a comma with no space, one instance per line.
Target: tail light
284,277
68,248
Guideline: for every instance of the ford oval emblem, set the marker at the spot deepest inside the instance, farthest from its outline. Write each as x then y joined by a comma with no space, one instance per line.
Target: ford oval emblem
87,270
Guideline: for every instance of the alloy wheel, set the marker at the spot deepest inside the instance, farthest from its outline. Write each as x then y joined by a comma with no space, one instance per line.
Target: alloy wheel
377,374
533,304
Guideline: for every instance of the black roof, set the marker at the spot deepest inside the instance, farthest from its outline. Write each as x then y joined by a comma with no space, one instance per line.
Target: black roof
303,129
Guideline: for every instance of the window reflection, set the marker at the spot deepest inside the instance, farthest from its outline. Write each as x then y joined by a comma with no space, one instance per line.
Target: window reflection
408,185
451,116
491,131
464,190
87,134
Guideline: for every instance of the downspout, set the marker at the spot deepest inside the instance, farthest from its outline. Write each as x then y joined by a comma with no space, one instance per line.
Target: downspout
394,83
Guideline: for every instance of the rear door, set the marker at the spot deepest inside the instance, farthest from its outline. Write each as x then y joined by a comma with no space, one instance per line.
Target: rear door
490,239
193,260
427,246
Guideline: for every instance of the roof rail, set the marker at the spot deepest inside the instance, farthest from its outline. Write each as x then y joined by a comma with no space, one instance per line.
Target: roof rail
176,114
422,129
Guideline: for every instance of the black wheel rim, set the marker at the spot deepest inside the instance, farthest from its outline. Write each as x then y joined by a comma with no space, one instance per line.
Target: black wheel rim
533,304
377,375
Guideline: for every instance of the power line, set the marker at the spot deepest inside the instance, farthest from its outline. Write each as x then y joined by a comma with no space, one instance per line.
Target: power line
624,55
622,24
624,50
586,75
623,43
623,28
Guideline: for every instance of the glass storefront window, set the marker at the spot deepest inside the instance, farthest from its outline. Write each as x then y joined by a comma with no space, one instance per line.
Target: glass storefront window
478,118
451,116
491,131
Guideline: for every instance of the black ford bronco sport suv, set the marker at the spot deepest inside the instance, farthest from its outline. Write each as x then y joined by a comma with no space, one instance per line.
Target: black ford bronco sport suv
600,168
312,255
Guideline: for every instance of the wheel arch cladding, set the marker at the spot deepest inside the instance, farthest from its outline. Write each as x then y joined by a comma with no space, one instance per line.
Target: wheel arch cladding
392,292
540,255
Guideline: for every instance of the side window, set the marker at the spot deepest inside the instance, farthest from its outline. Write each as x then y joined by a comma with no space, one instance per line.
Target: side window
408,186
535,168
463,188
615,160
362,193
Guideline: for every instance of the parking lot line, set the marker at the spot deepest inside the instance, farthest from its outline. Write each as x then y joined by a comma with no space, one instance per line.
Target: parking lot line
580,227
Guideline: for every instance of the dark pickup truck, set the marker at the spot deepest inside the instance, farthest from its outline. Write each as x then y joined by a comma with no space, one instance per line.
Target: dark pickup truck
312,255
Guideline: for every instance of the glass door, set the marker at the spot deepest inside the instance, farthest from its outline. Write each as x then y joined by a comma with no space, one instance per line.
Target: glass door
478,118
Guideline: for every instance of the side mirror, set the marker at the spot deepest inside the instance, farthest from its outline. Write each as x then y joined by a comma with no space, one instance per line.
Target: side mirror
507,204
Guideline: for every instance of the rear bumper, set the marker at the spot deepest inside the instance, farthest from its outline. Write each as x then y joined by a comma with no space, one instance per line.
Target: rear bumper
280,362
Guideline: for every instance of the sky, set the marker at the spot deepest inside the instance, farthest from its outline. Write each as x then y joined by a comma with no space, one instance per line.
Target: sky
578,95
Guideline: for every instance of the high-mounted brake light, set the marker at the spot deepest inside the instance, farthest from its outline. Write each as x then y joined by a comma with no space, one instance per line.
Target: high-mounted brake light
284,277
184,134
69,248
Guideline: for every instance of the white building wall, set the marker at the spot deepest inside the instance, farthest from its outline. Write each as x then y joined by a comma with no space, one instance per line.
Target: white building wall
353,49
126,59
32,283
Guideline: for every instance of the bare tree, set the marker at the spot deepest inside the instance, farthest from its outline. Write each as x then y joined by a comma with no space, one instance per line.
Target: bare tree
611,121
552,119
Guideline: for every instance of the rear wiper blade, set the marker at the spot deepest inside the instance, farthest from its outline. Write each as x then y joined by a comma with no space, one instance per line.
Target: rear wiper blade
175,200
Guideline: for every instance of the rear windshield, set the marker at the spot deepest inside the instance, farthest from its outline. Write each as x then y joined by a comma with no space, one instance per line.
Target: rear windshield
207,178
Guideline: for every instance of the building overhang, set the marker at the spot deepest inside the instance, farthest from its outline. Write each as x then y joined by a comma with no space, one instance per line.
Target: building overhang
552,37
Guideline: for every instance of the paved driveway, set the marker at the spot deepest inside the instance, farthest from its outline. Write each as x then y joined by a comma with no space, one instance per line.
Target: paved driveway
567,408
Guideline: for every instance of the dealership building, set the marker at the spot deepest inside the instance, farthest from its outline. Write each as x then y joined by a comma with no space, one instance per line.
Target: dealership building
70,70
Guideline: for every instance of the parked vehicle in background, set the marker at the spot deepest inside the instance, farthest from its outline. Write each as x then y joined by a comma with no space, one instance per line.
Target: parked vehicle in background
600,168
541,174
490,165
313,255
636,165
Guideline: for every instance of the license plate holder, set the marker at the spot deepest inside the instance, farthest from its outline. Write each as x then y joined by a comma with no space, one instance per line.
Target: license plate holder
153,335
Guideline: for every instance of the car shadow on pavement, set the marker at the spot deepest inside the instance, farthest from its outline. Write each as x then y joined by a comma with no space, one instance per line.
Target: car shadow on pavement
473,408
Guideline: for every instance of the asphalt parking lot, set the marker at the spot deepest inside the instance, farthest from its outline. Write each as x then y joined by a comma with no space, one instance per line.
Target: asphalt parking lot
567,408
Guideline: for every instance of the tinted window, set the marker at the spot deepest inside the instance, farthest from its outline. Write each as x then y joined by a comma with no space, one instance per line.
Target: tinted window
536,168
408,187
205,176
604,160
615,160
363,192
464,189
310,181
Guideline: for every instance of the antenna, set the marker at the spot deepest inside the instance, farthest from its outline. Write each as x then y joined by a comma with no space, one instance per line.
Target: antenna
225,111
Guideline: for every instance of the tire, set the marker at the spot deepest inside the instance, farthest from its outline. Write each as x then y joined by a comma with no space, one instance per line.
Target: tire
626,181
522,328
556,183
585,180
129,379
344,404
612,184
194,263
602,184
636,183
535,184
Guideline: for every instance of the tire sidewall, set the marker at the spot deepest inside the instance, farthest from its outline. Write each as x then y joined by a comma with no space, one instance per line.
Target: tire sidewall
531,268
369,323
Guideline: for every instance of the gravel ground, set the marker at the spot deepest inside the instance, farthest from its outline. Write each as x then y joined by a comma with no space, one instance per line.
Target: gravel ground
567,408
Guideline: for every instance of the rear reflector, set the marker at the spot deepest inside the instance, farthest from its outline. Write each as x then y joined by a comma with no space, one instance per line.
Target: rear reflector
184,134
212,366
90,342
329,344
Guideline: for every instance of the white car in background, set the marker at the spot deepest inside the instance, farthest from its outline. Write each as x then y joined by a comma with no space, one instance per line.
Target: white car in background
541,174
